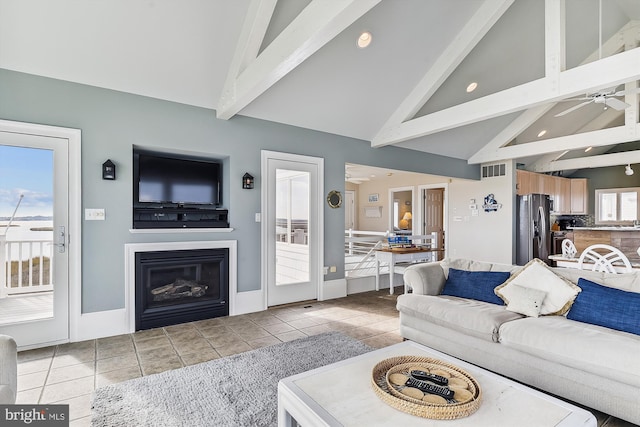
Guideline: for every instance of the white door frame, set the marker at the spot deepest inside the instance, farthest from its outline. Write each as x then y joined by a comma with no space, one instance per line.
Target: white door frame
268,239
352,193
74,242
445,209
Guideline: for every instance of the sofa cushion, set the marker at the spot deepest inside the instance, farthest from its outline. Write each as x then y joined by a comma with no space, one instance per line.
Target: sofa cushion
527,301
608,307
477,285
536,274
591,348
470,265
471,317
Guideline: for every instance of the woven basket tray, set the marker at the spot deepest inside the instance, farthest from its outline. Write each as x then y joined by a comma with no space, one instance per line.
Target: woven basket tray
392,394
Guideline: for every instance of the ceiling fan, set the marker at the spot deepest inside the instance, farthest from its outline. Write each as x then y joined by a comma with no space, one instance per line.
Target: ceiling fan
355,179
606,97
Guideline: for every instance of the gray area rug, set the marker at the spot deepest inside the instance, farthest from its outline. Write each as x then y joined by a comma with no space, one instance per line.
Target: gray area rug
239,390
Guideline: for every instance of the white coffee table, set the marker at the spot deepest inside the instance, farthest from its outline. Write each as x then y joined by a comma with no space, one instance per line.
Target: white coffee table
341,394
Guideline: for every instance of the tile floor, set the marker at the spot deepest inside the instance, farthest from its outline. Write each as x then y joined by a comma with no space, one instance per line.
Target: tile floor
69,373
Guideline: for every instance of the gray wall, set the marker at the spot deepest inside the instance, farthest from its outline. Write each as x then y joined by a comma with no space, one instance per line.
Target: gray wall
112,122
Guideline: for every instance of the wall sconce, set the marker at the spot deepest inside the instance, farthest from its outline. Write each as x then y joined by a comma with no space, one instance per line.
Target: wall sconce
108,170
247,181
627,170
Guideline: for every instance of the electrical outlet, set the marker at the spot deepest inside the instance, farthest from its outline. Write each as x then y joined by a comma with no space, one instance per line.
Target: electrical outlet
333,269
94,214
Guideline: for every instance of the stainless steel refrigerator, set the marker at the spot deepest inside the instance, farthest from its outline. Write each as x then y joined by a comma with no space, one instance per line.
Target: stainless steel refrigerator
533,231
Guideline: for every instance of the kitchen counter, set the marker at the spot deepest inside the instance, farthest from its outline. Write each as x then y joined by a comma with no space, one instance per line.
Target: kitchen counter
606,228
627,239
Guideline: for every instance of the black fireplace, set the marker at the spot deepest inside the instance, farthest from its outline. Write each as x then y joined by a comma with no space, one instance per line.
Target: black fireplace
181,286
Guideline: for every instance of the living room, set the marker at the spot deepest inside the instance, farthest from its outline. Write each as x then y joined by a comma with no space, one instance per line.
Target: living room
112,108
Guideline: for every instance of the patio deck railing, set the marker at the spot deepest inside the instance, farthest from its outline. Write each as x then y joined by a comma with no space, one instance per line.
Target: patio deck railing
25,266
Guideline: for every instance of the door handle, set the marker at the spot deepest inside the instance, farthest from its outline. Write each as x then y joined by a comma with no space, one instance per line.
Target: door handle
61,238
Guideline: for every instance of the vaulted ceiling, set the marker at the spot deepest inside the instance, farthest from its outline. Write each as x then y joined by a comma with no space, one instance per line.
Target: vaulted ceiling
296,62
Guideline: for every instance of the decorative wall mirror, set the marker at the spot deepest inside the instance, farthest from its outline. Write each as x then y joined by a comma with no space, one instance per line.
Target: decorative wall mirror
334,198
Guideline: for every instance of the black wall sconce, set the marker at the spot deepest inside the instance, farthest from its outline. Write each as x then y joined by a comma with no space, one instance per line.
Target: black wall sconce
247,181
108,170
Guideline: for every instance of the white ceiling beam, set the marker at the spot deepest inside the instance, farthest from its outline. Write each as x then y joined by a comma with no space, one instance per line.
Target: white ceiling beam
601,161
579,141
464,42
554,37
591,77
254,28
315,26
613,45
603,120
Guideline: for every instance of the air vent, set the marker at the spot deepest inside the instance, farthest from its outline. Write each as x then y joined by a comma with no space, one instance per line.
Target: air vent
494,170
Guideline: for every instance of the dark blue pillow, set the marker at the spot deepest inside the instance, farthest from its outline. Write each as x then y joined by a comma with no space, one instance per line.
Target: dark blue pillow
476,285
604,306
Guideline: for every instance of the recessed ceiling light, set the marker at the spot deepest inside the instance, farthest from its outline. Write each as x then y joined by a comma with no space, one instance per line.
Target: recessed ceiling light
364,39
542,133
586,150
472,86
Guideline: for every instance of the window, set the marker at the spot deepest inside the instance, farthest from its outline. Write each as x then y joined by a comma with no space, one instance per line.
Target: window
617,206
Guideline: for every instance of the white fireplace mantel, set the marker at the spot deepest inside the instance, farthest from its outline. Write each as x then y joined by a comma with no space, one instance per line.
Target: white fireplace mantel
131,249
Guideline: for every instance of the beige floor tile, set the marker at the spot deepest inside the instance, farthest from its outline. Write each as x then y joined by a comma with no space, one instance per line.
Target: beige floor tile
383,340
73,372
263,342
207,323
212,331
224,339
113,350
199,357
253,333
81,422
60,361
156,354
29,397
192,346
149,333
116,363
75,347
38,353
30,381
318,329
67,390
290,336
31,366
79,407
267,320
278,328
118,376
186,336
236,348
158,366
153,343
182,328
304,323
117,339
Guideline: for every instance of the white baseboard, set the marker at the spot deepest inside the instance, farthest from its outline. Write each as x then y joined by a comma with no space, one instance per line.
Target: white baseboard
334,289
101,324
248,302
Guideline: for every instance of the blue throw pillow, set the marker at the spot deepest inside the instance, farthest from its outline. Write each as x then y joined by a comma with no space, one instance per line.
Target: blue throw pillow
609,307
476,285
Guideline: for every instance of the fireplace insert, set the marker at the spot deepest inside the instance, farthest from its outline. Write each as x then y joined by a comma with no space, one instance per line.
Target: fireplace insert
181,286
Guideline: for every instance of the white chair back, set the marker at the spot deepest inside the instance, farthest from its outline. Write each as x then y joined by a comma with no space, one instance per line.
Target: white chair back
602,258
568,249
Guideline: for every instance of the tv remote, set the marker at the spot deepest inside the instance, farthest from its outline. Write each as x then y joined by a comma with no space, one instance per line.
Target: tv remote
426,387
425,376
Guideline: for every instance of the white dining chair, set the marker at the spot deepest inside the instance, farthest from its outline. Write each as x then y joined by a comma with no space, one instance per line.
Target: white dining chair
568,249
602,257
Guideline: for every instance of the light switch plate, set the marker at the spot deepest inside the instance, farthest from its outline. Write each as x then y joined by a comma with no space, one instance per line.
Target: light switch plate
94,214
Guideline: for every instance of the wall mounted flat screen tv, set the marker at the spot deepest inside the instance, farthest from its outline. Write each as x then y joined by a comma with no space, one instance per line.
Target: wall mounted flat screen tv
167,179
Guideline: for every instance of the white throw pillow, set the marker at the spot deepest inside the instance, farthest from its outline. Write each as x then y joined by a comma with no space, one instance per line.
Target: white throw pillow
560,293
527,301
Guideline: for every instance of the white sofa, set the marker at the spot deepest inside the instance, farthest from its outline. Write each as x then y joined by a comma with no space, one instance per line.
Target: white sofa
8,370
591,365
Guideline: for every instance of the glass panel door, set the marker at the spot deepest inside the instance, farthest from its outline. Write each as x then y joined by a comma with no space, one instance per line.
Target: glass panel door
34,289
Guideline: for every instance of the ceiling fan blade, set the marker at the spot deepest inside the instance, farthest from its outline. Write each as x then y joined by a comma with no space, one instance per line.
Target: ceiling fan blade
574,108
624,92
616,104
584,98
